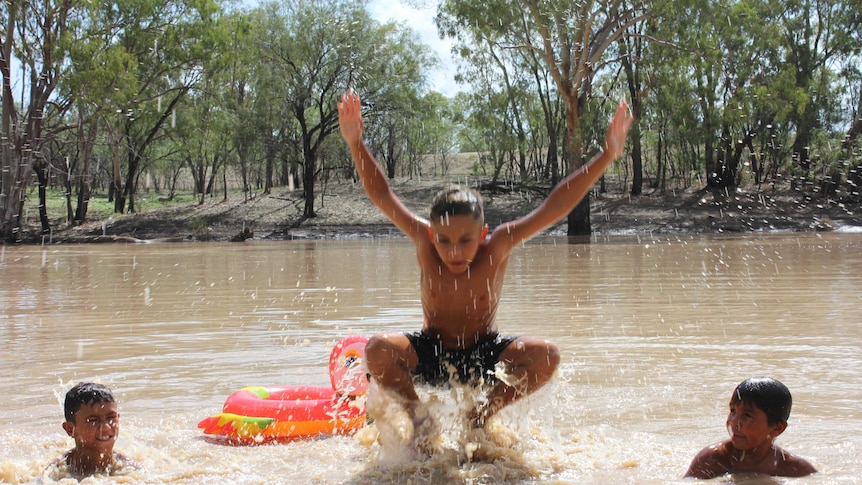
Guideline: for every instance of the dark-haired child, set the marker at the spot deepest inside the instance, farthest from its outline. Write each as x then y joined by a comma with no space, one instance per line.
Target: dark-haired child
462,268
93,421
759,409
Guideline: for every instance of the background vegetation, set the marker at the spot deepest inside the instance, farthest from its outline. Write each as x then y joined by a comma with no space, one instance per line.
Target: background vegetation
104,100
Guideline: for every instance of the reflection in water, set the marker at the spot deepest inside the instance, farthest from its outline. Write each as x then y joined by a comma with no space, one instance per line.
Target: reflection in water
654,336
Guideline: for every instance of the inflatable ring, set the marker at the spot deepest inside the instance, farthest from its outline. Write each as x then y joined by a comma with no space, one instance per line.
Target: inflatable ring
346,372
260,414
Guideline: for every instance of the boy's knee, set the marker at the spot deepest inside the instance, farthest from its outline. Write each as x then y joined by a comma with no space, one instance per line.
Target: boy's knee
547,359
553,356
542,356
380,352
373,349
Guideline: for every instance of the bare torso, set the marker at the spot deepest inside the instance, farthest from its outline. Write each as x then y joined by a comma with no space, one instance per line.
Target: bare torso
460,309
724,458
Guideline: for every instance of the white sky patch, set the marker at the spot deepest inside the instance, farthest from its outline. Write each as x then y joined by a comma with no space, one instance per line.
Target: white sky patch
419,16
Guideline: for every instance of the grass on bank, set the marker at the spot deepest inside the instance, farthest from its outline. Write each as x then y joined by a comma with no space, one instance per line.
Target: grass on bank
98,208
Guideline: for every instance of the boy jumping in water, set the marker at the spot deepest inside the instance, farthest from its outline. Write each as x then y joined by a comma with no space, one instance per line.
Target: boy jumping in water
462,270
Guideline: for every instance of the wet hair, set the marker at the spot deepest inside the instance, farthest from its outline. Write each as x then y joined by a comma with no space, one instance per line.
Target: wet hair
85,393
455,201
769,395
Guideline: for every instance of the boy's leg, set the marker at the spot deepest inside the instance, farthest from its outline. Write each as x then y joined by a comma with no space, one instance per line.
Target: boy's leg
530,363
390,359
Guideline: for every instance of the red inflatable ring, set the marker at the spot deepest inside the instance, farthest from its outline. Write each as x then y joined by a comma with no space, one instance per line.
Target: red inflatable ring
259,414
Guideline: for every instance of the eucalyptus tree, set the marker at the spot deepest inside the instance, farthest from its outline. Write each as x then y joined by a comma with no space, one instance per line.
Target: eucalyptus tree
167,43
439,129
235,69
482,110
745,69
268,120
853,148
217,120
516,92
399,104
431,129
817,35
305,45
571,39
722,90
387,135
632,50
489,60
855,126
489,130
34,37
205,142
552,113
319,48
502,92
671,121
70,76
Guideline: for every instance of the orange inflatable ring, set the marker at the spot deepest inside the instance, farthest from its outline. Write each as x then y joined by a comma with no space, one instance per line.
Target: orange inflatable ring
260,414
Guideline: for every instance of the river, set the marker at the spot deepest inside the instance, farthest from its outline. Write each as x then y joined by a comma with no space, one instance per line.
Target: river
655,333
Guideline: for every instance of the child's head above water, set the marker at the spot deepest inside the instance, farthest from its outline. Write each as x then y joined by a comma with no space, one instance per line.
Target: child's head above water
85,393
93,421
759,409
767,394
455,201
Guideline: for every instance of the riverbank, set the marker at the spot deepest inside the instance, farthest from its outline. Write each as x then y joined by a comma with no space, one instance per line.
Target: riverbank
343,211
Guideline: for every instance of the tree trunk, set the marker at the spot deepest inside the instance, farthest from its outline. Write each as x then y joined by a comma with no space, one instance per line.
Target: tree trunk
635,93
308,188
579,219
85,153
308,175
637,161
390,157
269,167
42,176
83,201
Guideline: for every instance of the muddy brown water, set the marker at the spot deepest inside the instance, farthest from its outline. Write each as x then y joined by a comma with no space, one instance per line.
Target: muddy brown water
654,332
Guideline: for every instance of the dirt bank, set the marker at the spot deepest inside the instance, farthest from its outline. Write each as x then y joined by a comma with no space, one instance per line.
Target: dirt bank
343,211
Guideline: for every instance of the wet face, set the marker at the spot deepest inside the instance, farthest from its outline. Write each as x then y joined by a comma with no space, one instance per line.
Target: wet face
95,428
749,427
457,240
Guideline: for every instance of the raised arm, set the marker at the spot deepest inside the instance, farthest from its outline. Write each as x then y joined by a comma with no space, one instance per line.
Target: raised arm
373,179
571,190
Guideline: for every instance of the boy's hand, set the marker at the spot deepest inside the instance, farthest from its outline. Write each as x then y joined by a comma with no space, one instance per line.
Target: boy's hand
618,129
350,118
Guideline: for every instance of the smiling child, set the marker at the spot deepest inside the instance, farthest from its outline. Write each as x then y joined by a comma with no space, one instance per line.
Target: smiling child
93,420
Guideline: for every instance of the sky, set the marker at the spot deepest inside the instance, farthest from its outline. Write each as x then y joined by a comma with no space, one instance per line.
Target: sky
419,16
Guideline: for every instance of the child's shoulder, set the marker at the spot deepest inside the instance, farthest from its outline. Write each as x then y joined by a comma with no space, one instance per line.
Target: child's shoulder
717,451
62,468
791,465
58,469
122,464
711,461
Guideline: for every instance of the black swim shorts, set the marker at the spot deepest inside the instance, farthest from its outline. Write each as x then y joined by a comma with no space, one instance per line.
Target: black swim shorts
436,363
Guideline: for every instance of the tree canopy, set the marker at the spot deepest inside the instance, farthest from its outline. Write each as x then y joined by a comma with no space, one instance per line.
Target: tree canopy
111,99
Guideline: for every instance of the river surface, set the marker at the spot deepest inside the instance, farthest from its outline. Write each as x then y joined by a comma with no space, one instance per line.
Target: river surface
654,333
